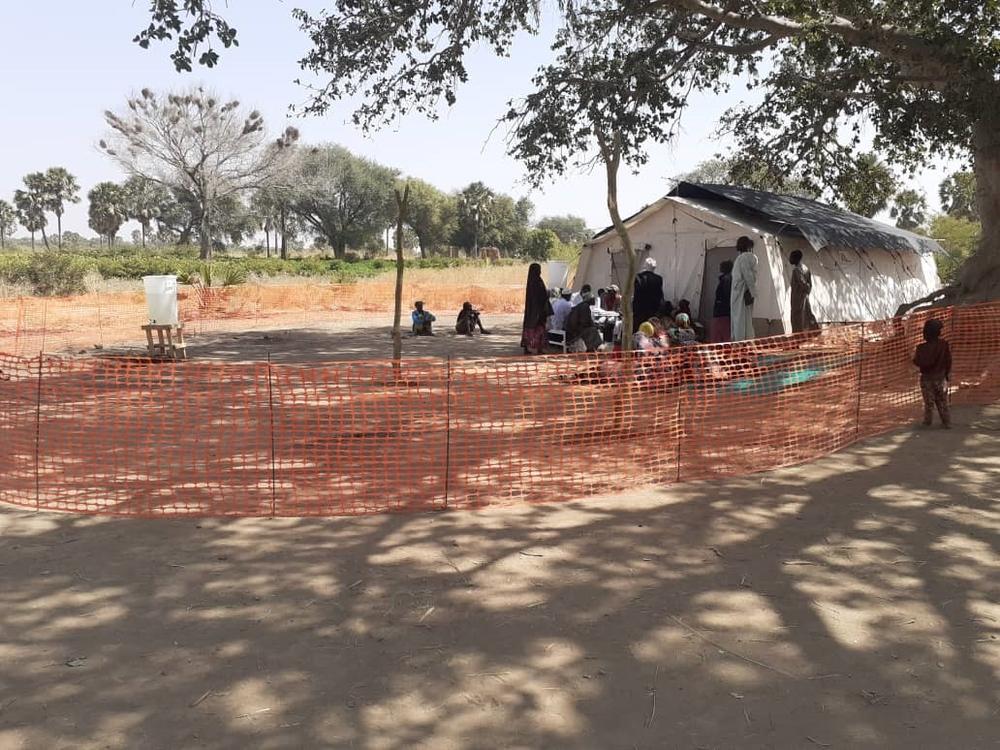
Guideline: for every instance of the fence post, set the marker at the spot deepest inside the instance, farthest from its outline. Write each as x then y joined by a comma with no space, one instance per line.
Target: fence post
447,443
45,323
100,321
679,417
861,362
38,436
270,409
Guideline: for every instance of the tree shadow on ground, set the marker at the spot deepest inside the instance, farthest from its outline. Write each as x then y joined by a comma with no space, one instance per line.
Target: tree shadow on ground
849,603
314,344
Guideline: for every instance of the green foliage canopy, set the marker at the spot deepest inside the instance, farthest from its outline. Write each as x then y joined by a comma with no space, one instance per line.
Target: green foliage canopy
921,77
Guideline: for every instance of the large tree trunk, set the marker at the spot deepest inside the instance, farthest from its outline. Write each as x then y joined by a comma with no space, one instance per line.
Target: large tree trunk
45,239
267,241
980,278
32,240
206,231
59,228
339,248
397,310
143,225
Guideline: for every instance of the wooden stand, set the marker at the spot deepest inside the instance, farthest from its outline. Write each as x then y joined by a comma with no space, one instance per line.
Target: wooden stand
169,342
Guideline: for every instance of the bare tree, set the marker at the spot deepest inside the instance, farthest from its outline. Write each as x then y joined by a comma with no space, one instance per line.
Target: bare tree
402,209
194,141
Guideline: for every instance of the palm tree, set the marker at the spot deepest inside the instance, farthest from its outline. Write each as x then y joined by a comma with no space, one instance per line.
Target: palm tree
60,188
145,201
35,201
8,222
108,209
476,201
31,214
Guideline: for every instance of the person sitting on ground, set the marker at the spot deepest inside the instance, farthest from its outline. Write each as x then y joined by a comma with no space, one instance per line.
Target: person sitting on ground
577,297
644,339
468,319
661,335
560,310
422,320
684,306
580,325
612,299
682,333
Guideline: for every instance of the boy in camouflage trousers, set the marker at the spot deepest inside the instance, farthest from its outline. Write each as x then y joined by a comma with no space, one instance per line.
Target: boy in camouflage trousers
933,357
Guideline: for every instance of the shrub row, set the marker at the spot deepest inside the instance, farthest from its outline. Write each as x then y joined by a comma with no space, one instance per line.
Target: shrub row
62,273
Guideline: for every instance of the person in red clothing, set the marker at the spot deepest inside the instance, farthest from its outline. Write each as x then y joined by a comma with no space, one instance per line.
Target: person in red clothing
933,357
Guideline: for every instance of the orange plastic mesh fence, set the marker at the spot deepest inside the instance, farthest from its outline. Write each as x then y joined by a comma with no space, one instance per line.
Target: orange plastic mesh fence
32,324
131,437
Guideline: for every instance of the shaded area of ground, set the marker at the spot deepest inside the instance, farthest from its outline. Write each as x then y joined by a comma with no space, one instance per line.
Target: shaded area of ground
850,603
344,338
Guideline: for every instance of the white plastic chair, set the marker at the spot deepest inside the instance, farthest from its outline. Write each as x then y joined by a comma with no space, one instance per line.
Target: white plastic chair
557,338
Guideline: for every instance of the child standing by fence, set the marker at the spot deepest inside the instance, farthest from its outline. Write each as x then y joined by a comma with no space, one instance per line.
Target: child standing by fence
933,357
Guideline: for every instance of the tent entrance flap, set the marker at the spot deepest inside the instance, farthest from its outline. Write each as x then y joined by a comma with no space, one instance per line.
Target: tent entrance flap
714,257
619,265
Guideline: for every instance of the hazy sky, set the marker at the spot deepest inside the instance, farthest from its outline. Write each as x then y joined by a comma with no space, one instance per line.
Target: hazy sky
65,61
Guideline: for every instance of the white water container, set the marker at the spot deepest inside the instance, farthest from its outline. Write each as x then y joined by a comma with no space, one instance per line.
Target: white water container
161,299
556,272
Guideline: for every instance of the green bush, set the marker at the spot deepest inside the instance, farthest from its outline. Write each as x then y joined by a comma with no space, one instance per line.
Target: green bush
53,274
62,272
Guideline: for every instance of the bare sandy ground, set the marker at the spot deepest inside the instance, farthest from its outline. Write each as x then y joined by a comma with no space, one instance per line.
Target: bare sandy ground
343,337
850,603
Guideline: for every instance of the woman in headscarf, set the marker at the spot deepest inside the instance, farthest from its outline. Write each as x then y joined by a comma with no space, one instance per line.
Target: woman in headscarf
537,310
682,333
644,339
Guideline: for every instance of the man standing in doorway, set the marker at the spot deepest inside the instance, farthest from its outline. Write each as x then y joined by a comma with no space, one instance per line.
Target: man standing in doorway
744,290
648,297
802,315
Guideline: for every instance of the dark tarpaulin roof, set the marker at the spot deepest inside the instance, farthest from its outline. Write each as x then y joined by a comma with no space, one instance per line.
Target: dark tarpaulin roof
821,225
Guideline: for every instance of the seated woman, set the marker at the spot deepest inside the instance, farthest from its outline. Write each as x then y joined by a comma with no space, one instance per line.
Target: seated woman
684,306
682,333
661,336
422,320
644,339
468,319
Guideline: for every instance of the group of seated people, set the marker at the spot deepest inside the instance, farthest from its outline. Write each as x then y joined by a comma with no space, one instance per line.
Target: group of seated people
587,319
468,320
672,327
583,317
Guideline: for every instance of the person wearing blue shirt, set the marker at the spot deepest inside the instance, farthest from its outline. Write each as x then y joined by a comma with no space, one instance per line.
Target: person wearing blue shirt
422,320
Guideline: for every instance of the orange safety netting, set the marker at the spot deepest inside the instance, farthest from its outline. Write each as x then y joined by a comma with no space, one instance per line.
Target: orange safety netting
30,325
133,437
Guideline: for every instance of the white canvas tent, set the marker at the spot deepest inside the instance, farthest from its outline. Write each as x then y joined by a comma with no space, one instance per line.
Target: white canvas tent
862,269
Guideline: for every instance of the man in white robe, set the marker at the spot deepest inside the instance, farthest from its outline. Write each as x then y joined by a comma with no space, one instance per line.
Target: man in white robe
744,290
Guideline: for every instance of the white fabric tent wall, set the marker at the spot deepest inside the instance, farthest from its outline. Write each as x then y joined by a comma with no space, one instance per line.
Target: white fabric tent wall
848,285
679,234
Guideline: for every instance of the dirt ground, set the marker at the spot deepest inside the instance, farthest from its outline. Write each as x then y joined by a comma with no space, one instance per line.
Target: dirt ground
850,603
344,337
